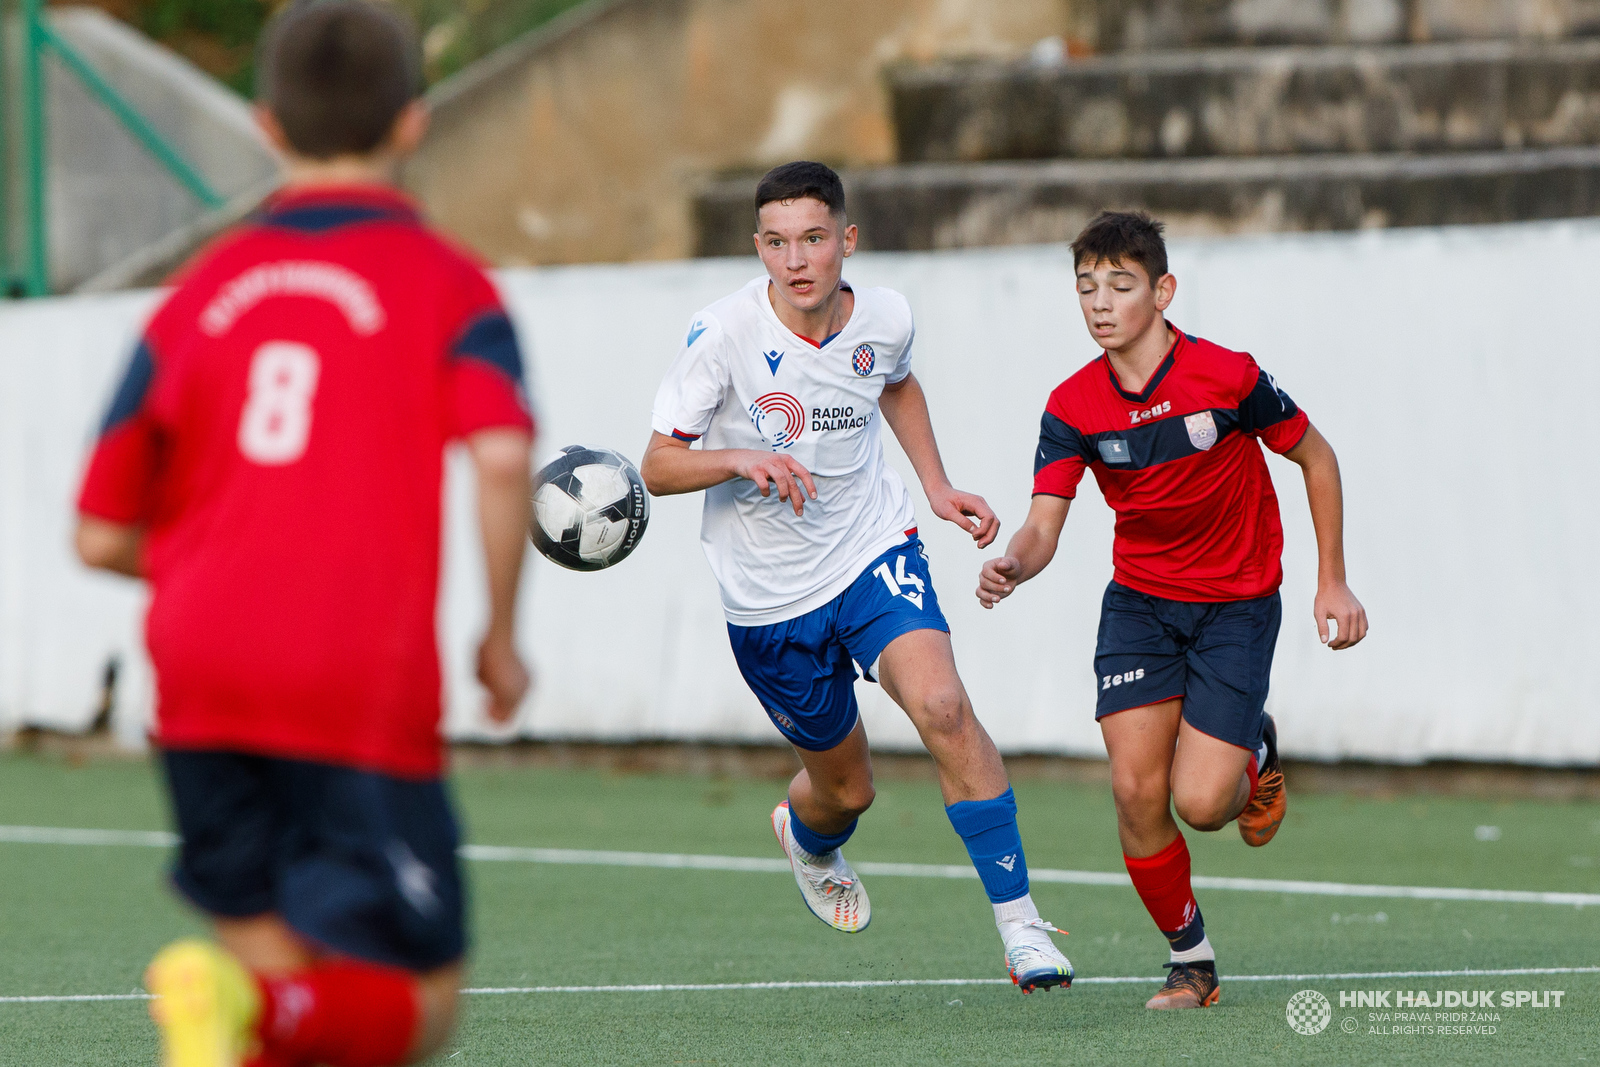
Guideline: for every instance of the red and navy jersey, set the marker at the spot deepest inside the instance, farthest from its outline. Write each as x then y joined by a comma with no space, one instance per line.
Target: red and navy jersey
279,433
1197,519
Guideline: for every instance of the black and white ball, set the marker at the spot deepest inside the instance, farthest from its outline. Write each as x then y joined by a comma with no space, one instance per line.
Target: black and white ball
590,508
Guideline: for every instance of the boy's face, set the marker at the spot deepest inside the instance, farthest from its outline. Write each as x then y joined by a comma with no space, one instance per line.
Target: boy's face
803,246
1119,302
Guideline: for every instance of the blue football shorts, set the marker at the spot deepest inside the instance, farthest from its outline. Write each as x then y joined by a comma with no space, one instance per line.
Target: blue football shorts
800,669
359,863
1216,656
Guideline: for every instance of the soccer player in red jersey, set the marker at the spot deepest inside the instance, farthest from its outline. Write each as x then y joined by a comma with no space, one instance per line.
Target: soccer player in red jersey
272,465
1169,423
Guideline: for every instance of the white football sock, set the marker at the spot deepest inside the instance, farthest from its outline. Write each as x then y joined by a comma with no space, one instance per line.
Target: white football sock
1201,953
1019,910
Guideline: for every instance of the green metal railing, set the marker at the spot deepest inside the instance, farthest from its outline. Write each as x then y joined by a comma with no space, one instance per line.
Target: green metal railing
31,275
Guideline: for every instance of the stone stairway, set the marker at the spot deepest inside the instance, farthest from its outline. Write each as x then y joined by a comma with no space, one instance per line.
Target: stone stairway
1228,136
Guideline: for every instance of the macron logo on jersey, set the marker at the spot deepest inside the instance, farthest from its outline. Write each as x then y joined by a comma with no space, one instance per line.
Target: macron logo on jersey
773,359
694,334
340,286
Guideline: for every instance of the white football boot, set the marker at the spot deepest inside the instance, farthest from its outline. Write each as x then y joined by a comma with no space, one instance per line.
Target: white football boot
827,884
1032,959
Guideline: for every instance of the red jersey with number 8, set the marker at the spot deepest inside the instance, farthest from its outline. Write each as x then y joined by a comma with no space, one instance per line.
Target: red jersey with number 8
279,434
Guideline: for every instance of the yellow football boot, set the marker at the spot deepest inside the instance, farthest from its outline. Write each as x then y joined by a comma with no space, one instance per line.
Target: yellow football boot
205,1003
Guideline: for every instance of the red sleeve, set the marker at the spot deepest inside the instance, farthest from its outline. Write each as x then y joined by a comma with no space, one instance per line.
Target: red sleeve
120,481
1059,463
485,369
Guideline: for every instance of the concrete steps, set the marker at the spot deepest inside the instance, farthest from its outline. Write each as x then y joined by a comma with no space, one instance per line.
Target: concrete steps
1255,101
958,205
1136,25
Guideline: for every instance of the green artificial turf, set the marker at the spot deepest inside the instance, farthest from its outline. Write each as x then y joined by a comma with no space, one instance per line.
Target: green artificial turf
79,919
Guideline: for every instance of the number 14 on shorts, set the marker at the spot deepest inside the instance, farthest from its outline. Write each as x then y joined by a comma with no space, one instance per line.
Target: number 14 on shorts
900,583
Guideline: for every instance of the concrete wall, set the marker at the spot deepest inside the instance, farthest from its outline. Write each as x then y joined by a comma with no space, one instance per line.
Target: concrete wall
584,142
108,198
1469,482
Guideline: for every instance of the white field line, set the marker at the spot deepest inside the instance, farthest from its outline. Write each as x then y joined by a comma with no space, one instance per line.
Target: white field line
892,983
44,835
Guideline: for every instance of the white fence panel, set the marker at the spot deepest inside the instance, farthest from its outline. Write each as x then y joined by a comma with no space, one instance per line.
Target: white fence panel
1448,367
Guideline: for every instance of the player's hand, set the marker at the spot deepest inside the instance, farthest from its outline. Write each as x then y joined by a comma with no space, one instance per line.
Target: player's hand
967,510
769,469
998,580
1335,601
503,674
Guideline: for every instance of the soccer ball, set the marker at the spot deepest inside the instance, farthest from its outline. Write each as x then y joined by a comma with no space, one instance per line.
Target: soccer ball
590,508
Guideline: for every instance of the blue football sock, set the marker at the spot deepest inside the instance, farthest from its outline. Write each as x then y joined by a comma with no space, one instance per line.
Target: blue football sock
816,843
989,830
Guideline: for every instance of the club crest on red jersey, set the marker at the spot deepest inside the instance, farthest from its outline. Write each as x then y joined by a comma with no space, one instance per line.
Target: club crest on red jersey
1202,429
864,360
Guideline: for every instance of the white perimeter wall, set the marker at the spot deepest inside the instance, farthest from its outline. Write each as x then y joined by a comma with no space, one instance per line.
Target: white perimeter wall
1451,369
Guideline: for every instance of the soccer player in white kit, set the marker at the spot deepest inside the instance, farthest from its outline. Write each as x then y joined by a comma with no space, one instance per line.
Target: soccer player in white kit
813,539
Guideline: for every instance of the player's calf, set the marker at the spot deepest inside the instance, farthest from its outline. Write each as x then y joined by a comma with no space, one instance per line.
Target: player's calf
1210,809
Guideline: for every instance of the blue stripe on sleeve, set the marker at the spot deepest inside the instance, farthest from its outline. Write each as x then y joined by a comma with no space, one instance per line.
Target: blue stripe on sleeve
1266,405
131,393
490,338
1058,441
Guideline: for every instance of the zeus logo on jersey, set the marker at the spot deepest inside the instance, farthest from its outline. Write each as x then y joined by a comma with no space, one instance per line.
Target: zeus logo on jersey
1150,412
899,583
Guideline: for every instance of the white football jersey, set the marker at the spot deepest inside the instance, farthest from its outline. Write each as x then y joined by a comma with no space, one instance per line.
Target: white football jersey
743,380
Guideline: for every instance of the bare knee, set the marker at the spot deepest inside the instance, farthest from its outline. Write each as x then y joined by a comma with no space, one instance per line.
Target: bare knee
1142,799
438,993
942,715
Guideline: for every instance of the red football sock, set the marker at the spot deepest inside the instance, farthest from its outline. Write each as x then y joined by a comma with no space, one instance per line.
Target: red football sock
1252,771
341,1013
1163,884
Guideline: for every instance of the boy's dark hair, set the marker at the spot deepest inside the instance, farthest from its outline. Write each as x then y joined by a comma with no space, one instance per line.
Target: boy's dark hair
1120,237
799,180
336,74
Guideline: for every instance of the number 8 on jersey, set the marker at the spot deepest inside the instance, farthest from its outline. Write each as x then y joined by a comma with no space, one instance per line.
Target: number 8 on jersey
276,422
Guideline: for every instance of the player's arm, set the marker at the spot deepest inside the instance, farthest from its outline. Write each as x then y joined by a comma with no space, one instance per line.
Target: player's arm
1325,493
1030,551
670,467
110,546
501,458
905,409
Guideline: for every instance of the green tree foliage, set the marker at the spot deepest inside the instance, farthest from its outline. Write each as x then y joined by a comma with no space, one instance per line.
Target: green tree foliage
220,36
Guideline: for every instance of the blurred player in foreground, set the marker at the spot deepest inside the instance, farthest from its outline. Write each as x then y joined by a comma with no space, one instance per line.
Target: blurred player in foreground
813,540
1169,424
272,464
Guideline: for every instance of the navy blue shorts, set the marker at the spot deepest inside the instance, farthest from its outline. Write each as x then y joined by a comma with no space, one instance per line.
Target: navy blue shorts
800,668
359,863
1217,657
